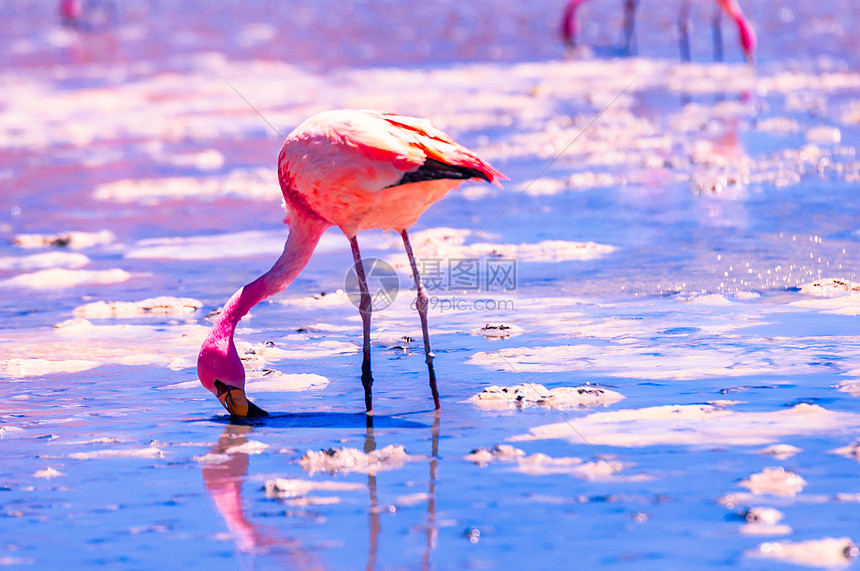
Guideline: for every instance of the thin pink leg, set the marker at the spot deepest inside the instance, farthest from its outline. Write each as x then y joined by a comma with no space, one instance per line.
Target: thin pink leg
422,313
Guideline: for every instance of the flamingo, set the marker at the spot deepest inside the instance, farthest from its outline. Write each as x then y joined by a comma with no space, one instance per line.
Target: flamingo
746,34
357,170
95,15
71,12
570,25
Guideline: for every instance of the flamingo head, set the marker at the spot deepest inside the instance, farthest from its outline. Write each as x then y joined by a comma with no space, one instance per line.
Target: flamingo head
220,370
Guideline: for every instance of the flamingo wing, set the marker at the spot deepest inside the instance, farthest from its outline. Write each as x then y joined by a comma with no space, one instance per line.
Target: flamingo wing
443,157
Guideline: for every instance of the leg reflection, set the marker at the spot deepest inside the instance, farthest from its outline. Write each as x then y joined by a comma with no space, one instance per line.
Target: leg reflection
432,530
374,524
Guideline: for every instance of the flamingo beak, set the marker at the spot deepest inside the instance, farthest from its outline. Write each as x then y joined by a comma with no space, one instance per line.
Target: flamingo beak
237,404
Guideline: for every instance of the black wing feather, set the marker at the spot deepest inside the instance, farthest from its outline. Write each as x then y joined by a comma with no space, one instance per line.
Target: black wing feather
434,170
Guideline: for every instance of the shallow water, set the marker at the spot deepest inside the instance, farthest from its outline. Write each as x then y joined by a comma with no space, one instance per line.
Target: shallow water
685,220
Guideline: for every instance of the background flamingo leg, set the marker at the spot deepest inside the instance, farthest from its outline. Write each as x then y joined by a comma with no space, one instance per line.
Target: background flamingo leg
364,308
684,30
717,27
629,24
422,313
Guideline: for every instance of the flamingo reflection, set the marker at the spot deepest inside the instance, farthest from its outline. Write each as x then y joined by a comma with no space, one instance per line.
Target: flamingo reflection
375,524
223,481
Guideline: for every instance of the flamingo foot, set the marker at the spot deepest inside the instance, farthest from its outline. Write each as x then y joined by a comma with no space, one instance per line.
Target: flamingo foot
237,404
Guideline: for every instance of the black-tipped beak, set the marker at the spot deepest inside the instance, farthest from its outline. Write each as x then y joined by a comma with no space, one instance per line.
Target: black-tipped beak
237,404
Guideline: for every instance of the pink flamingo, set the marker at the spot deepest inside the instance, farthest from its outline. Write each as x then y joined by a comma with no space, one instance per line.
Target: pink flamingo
95,15
357,170
71,12
747,37
570,25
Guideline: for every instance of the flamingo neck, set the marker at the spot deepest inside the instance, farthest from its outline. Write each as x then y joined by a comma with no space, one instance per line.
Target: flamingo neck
745,31
569,23
305,233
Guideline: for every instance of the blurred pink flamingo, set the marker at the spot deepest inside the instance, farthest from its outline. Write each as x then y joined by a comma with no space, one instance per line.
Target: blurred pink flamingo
97,14
746,34
70,12
570,24
357,170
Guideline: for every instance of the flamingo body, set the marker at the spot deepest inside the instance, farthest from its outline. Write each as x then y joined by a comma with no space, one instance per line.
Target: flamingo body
348,168
357,170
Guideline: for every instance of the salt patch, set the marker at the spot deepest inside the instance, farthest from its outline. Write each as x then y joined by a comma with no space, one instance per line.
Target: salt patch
353,460
777,125
73,240
18,367
824,135
294,488
162,305
502,452
829,287
9,431
631,359
827,552
704,298
249,447
523,395
209,159
774,481
257,356
149,452
540,464
45,260
412,499
214,247
763,515
259,184
544,187
47,473
850,451
76,325
272,381
451,243
211,458
497,330
851,387
325,299
696,425
764,521
62,278
780,451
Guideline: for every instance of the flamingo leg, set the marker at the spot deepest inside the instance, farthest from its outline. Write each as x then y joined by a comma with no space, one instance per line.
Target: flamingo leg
364,307
716,25
629,23
422,303
684,30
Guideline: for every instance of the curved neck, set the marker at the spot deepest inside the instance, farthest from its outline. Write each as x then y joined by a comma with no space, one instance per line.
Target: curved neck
305,232
569,23
745,31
